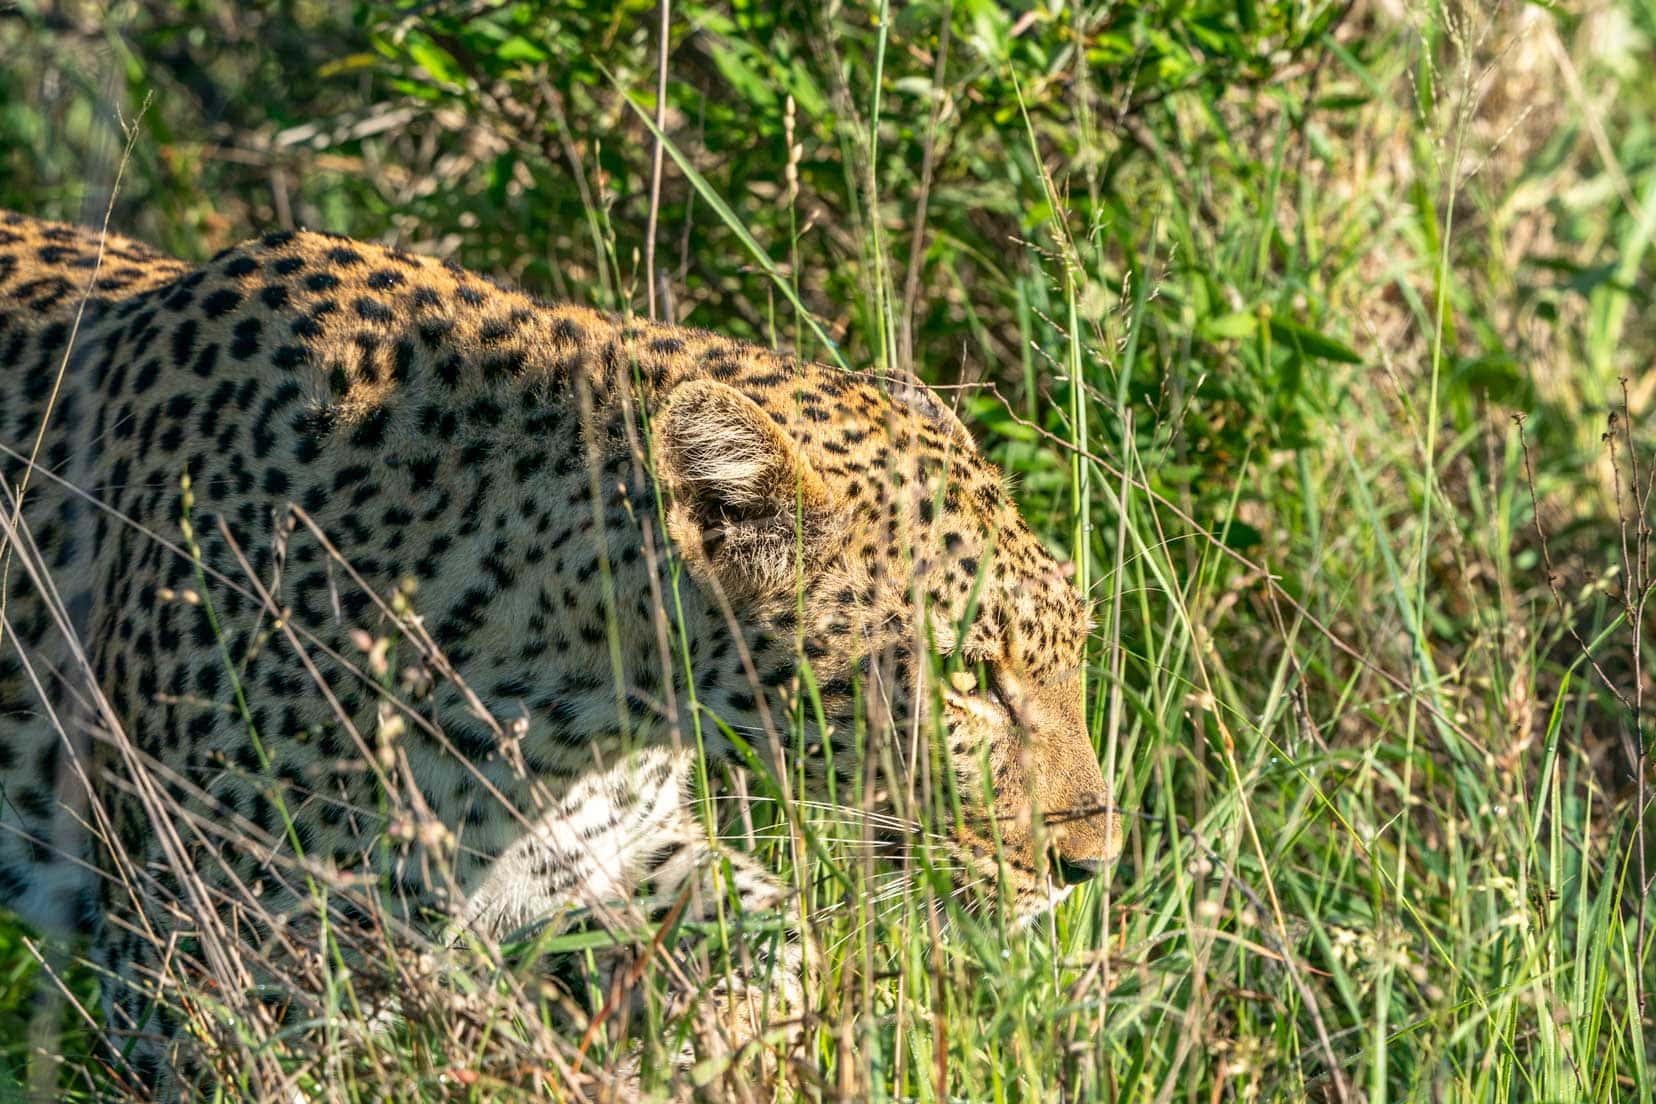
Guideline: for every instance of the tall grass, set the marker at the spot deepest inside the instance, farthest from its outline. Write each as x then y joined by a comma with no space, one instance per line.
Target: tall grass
1245,299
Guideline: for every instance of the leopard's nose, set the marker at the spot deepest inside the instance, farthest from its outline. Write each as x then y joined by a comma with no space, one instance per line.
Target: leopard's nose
1070,870
1081,845
1075,871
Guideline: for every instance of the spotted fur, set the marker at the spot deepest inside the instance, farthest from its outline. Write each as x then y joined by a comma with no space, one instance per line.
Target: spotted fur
377,442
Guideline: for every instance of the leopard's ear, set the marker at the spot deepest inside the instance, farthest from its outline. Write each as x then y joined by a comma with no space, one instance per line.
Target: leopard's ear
747,508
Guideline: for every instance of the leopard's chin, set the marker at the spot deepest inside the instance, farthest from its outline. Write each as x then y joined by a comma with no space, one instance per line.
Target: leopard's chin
1037,902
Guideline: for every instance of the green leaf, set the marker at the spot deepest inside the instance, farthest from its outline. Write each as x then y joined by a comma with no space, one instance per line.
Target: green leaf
1343,102
1311,343
350,63
518,48
435,60
990,413
744,78
1229,327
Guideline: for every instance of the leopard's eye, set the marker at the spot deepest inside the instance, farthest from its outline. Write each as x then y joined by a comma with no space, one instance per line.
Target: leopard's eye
984,686
991,688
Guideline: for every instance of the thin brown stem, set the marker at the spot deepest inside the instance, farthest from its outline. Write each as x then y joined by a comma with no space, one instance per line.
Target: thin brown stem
665,11
1552,572
928,165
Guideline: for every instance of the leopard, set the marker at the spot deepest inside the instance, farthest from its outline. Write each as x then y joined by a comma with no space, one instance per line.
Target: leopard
321,520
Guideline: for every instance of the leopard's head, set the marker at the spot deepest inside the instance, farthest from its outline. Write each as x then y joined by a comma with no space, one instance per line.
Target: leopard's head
861,530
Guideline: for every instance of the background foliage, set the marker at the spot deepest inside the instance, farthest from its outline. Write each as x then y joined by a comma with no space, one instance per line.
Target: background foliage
1247,295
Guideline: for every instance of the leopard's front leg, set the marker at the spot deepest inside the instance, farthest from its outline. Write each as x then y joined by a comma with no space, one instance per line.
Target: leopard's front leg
727,972
702,926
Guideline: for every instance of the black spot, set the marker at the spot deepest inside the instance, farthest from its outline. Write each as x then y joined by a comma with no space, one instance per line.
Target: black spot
434,330
274,296
241,266
529,465
442,423
344,257
423,472
367,362
485,410
276,239
385,279
206,361
312,428
349,476
403,361
370,433
184,339
247,338
321,281
449,371
472,741
504,365
287,266
372,309
220,303
146,377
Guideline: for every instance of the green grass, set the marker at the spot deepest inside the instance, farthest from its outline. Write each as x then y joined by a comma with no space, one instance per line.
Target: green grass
1246,298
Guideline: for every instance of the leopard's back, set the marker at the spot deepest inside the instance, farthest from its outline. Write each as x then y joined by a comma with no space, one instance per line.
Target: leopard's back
346,417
